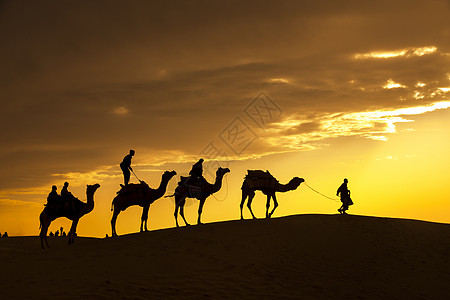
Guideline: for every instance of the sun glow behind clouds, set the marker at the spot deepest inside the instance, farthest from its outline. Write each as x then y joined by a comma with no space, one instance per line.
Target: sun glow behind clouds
373,125
121,111
279,80
390,84
408,52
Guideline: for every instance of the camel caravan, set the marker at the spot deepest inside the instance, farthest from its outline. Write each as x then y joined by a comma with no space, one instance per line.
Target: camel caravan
193,186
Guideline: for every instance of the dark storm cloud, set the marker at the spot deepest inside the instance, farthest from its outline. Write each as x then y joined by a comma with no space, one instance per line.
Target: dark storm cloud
82,82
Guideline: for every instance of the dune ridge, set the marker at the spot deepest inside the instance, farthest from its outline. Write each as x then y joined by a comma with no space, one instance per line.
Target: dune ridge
294,257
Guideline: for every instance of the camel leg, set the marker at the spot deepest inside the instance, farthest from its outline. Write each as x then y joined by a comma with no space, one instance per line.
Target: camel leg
200,209
244,196
176,214
267,206
73,231
113,222
43,235
144,218
45,224
182,211
177,206
249,203
275,203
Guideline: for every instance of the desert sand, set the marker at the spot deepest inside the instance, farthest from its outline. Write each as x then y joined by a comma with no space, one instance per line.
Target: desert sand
295,257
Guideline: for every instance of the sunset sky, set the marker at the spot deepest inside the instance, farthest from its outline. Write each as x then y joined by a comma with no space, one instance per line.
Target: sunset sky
323,90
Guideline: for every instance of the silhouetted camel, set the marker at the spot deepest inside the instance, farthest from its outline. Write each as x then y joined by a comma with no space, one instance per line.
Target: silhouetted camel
73,210
141,195
268,185
196,188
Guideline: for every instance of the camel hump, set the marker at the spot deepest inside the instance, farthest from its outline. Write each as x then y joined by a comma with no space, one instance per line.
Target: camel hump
260,179
259,174
192,181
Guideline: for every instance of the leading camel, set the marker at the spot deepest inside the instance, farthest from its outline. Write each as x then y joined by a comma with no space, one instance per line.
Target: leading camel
139,194
268,185
197,188
72,209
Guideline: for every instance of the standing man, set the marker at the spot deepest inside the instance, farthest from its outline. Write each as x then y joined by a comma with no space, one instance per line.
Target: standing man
125,165
344,193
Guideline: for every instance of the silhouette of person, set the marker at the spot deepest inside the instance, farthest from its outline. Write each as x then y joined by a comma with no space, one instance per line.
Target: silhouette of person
51,233
5,235
125,165
67,196
197,169
57,233
63,233
65,192
53,197
61,230
344,193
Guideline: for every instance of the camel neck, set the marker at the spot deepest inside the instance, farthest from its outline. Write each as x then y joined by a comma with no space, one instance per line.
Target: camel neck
218,183
285,187
90,201
162,186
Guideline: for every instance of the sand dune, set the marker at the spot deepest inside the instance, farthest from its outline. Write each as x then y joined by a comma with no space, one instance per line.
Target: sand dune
296,257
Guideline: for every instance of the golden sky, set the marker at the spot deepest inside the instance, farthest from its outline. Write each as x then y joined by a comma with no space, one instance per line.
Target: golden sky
317,89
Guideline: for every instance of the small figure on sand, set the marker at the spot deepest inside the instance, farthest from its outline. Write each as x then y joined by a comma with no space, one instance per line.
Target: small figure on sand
125,165
344,193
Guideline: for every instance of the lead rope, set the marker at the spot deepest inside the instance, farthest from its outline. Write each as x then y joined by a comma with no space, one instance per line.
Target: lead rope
226,194
334,199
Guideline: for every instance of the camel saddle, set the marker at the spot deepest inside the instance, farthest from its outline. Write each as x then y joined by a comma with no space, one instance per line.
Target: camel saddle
65,203
132,188
260,179
195,185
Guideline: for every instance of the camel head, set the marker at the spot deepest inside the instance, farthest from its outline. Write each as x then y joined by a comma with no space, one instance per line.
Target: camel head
222,171
168,175
296,181
90,189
